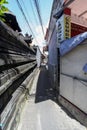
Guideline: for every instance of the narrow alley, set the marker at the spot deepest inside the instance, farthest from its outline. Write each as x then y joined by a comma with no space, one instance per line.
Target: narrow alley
43,64
41,112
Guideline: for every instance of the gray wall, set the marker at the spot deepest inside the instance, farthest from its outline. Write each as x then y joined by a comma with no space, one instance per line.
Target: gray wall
16,59
72,89
52,60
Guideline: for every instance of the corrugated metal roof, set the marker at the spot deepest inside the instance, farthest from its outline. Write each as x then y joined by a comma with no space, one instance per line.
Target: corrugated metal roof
71,43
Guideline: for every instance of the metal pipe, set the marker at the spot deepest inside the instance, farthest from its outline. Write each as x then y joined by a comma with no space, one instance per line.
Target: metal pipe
74,77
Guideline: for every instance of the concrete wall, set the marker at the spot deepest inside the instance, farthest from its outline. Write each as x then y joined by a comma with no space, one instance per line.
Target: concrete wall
38,57
72,89
52,59
16,61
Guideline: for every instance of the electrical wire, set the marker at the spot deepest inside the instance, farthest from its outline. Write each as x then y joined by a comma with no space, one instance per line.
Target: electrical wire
23,4
33,12
39,14
20,7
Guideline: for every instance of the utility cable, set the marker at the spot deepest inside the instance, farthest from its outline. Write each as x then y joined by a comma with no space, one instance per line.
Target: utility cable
27,13
33,12
39,15
20,7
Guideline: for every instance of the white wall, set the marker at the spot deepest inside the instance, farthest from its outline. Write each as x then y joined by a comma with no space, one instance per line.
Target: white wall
72,64
38,57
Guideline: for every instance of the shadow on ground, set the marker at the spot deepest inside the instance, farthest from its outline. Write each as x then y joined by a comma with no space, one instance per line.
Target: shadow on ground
44,89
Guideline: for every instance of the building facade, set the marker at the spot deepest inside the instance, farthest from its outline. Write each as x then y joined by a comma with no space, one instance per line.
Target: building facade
67,21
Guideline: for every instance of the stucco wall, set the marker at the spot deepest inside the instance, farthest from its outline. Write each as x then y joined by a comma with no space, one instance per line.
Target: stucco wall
73,89
38,57
53,49
52,60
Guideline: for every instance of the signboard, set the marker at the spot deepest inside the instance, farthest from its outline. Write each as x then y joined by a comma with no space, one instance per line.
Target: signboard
67,26
60,29
63,26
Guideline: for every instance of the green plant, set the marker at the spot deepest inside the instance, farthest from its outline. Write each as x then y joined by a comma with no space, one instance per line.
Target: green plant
3,8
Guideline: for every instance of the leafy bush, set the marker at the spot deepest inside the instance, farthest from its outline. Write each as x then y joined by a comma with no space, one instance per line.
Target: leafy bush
3,8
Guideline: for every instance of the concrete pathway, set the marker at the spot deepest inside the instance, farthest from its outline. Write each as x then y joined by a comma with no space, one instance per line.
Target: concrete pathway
45,114
44,90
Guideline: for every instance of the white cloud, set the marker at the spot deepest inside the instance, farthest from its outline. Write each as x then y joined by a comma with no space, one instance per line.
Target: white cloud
39,39
37,30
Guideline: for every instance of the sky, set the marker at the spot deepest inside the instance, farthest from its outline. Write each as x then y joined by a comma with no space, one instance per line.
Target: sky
31,14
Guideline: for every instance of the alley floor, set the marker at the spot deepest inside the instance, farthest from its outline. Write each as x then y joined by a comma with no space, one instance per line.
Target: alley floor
41,112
